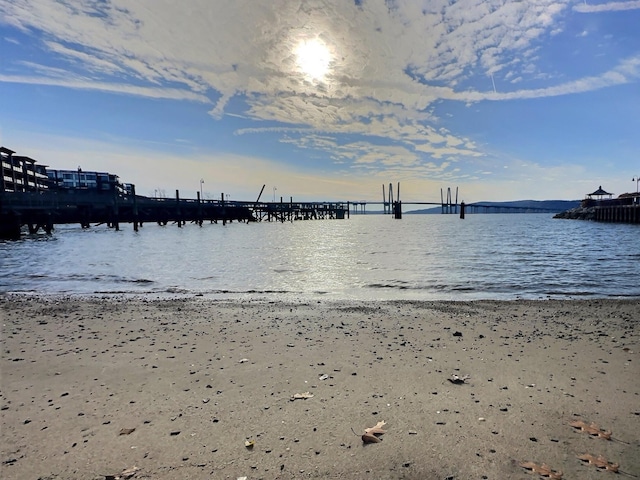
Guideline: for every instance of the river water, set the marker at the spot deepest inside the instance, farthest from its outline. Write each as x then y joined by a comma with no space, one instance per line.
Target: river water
421,257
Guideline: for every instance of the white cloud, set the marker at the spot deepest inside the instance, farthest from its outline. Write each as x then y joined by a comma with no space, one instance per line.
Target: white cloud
392,64
607,7
87,84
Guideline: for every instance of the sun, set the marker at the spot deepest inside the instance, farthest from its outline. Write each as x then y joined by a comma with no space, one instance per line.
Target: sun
313,58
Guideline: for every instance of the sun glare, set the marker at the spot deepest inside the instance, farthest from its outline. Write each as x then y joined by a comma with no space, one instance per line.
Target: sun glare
313,58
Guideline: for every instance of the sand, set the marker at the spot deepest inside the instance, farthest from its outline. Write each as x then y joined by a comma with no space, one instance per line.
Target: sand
175,387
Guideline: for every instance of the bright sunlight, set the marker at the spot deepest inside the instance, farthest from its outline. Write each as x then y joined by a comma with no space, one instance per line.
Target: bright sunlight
313,58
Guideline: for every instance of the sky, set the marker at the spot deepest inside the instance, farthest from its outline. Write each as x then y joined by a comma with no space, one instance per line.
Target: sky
328,99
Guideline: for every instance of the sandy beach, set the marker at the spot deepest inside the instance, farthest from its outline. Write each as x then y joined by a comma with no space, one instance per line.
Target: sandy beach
200,389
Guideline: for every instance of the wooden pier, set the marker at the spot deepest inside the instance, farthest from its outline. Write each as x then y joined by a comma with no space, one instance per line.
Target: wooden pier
618,213
42,210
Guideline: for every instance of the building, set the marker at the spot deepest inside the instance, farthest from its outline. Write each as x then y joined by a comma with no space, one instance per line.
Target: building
81,180
22,174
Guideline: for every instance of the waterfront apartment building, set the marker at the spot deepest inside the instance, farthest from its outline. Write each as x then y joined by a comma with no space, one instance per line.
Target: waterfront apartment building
24,174
80,180
21,174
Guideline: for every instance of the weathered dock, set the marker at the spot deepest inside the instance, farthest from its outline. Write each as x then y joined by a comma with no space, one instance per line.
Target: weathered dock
42,210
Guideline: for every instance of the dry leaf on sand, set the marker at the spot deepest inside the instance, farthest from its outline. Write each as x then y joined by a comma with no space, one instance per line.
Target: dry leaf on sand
125,475
457,380
126,431
543,470
599,462
377,429
592,429
368,438
371,435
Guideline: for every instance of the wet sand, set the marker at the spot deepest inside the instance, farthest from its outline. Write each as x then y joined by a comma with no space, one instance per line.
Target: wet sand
175,387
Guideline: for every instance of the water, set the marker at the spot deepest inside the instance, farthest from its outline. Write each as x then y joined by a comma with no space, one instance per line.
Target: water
421,257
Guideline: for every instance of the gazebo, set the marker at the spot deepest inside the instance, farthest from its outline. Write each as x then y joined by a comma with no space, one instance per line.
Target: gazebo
599,194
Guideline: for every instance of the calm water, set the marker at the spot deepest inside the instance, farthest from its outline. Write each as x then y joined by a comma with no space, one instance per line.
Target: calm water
365,257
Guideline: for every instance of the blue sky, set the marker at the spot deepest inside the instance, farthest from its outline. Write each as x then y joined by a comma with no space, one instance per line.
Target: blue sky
328,100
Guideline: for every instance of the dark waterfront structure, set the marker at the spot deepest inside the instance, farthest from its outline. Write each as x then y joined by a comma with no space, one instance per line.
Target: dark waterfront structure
38,198
623,209
43,210
21,174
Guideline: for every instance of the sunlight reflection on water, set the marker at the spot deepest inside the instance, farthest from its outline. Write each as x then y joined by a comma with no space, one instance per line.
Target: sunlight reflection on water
502,256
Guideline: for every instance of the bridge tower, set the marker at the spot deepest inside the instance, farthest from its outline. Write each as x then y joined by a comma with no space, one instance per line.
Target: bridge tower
449,206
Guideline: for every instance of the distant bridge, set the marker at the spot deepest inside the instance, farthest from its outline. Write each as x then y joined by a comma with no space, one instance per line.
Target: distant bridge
454,208
447,203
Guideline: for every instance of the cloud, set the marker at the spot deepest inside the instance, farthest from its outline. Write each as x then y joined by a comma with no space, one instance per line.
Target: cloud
392,64
607,7
86,84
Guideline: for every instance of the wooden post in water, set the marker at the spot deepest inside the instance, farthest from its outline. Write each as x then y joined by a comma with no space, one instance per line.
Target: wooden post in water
135,208
397,210
48,226
281,211
462,210
291,209
224,213
178,209
116,220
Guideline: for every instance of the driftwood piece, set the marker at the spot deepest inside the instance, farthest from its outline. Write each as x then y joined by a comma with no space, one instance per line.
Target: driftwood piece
301,396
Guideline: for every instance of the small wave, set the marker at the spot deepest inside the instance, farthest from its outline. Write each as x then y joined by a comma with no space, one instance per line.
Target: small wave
176,290
463,289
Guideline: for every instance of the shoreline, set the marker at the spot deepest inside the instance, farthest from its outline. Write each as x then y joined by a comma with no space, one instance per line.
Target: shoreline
196,378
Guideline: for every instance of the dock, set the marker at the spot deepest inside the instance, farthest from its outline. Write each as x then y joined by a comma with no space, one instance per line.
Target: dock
43,210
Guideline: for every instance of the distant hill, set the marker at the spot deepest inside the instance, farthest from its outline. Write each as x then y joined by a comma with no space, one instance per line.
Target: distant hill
518,206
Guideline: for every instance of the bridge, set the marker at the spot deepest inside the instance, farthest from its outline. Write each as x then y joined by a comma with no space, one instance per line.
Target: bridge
448,204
